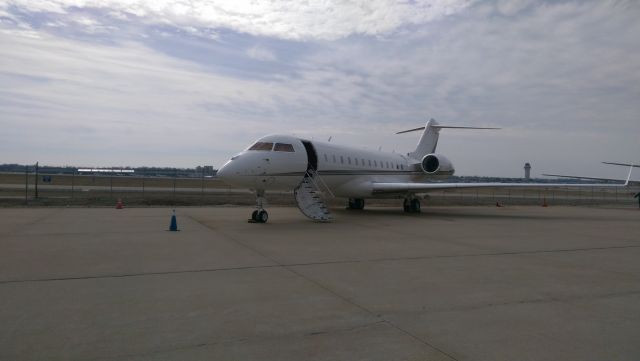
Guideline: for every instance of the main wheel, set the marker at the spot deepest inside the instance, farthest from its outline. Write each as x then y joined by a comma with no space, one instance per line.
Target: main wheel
355,203
254,215
406,205
415,206
263,216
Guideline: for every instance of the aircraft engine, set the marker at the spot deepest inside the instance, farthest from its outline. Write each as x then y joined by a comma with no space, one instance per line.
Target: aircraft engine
437,164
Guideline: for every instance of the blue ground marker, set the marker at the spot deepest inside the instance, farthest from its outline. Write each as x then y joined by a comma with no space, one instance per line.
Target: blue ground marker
174,224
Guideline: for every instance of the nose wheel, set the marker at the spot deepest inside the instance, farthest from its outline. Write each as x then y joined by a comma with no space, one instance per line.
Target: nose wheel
260,215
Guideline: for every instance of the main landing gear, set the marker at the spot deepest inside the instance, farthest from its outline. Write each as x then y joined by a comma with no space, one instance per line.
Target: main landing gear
355,203
260,215
411,205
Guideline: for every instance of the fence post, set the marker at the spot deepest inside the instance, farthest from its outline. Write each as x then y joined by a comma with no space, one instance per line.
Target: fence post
73,178
175,176
26,184
202,187
36,180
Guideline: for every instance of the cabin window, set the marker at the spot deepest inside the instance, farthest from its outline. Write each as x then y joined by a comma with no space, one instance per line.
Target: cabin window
349,159
356,161
375,163
342,159
388,165
283,147
401,167
362,160
334,158
264,146
326,159
369,162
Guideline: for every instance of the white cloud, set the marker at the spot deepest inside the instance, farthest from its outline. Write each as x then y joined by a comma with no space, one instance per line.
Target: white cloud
287,19
512,7
261,53
562,78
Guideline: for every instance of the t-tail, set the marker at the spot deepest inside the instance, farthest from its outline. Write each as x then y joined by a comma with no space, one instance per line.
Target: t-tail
429,139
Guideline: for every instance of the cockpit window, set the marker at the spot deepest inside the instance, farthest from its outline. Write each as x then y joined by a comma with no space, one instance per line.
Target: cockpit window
283,147
262,146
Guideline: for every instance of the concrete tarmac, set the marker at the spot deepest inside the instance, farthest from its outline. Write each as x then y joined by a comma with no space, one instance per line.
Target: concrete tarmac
452,283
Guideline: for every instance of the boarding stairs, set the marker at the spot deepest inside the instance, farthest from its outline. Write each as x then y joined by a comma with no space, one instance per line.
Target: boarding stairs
308,197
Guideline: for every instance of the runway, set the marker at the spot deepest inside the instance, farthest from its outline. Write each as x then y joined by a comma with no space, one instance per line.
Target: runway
451,283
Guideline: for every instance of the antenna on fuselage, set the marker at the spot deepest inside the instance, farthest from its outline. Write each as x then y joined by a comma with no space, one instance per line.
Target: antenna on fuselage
329,140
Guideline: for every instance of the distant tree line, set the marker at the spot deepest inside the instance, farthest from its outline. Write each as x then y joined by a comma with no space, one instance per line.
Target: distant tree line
199,171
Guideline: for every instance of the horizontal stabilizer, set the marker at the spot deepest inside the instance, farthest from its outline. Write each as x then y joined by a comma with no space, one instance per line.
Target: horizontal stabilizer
443,127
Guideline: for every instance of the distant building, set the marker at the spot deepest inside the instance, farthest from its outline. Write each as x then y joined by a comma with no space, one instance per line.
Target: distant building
105,171
527,171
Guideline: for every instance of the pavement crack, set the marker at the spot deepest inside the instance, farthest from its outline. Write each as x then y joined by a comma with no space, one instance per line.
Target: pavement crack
277,264
542,300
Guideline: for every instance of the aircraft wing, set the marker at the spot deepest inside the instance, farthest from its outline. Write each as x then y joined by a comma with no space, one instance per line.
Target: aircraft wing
381,188
580,177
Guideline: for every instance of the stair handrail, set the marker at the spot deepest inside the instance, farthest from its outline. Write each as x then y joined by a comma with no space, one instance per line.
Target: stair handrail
311,173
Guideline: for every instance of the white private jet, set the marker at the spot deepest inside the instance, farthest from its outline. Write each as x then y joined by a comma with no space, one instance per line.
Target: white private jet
284,162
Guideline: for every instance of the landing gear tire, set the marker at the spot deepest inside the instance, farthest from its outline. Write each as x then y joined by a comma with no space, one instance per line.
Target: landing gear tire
262,216
259,216
355,203
411,205
415,206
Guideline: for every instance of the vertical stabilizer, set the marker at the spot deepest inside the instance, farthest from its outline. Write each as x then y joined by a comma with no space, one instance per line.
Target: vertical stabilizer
428,140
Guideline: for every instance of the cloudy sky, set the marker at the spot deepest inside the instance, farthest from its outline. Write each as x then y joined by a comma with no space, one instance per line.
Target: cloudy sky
192,82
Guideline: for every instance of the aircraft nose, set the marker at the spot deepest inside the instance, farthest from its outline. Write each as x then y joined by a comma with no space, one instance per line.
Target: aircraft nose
223,173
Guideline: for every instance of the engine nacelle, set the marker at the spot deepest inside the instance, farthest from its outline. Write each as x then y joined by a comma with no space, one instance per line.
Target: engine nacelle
437,164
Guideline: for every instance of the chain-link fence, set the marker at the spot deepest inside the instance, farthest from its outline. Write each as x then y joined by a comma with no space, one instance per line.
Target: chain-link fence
32,189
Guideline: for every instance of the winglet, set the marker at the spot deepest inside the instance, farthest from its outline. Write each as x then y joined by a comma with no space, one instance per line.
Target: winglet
626,184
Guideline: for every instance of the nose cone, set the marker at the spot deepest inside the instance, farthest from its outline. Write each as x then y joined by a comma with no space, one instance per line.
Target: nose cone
224,173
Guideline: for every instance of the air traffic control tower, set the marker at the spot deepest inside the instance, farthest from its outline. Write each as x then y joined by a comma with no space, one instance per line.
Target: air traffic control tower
527,171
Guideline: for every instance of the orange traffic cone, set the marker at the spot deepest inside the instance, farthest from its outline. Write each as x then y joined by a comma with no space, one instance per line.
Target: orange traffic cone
119,204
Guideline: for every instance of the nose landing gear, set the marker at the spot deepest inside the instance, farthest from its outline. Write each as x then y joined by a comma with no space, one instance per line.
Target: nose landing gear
260,215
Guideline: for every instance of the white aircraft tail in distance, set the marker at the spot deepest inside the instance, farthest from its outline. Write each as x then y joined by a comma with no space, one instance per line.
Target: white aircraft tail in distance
309,168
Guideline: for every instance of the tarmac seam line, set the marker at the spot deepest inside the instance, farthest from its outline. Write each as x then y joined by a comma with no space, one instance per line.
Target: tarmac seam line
276,264
233,340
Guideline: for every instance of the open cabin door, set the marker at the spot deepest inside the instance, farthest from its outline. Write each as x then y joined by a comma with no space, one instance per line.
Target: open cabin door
312,156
